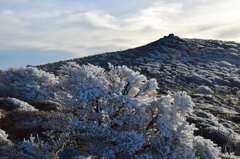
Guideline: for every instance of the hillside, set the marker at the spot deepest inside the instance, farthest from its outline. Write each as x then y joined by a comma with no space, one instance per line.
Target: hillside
208,70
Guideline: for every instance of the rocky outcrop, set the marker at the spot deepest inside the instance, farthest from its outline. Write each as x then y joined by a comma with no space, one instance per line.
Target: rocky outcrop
45,105
20,119
12,104
21,124
220,131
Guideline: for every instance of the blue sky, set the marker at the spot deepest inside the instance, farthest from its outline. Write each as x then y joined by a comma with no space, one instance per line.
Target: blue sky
37,32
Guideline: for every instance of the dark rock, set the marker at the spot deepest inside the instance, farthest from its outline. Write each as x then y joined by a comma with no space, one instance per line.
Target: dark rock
220,131
203,115
231,102
3,114
171,35
238,93
220,81
12,104
207,97
204,90
235,90
68,153
45,105
196,95
223,102
21,124
234,81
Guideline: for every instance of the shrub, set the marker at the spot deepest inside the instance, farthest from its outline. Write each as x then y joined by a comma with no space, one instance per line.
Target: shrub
27,83
111,114
3,138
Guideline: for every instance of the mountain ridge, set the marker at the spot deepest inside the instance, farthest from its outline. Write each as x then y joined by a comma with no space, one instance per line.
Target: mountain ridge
170,41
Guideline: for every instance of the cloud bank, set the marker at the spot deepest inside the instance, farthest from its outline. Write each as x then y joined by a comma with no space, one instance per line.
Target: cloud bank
85,28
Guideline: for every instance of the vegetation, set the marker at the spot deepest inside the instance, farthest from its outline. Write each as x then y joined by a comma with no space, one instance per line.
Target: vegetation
105,114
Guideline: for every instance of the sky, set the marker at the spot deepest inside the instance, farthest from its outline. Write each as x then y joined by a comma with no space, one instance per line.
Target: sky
34,32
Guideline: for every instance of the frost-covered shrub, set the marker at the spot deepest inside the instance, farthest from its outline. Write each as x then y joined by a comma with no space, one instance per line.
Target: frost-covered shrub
124,81
235,81
111,114
204,90
90,83
82,83
3,138
68,153
34,149
27,151
46,105
159,130
224,64
27,83
171,136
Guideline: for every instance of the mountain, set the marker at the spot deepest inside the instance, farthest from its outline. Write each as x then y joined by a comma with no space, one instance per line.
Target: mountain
208,70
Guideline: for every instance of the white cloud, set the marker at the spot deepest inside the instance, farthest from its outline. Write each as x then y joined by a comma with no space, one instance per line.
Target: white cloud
207,19
155,16
94,18
9,20
88,28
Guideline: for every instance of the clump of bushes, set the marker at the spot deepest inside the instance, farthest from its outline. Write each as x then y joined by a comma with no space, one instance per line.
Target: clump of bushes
108,114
